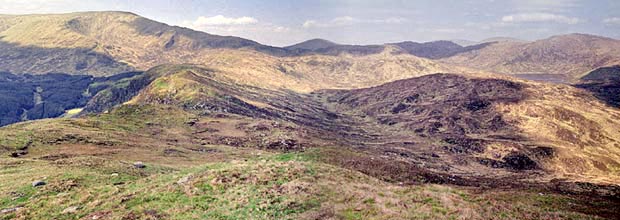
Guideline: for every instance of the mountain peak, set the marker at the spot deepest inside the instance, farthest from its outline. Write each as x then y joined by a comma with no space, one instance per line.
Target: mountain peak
579,36
313,44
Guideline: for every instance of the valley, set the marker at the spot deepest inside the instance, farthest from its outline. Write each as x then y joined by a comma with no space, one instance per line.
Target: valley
31,97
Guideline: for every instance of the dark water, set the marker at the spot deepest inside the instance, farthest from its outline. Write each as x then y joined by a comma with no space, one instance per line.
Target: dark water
543,77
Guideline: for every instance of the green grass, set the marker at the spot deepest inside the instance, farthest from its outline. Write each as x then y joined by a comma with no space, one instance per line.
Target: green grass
257,185
270,186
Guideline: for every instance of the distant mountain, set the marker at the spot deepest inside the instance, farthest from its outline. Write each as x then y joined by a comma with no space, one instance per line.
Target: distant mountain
572,55
466,43
325,47
503,39
103,43
436,49
313,45
106,43
431,50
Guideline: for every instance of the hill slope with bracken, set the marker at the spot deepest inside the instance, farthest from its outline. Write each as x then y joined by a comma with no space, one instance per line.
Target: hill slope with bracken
572,55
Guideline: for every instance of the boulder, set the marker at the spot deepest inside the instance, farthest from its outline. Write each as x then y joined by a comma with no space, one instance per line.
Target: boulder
139,165
10,210
70,209
184,180
38,183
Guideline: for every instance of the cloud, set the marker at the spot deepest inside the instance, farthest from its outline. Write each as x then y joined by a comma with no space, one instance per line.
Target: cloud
540,17
348,20
442,30
221,20
612,21
545,5
246,27
36,6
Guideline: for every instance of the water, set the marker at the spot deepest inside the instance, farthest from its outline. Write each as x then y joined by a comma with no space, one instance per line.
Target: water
544,77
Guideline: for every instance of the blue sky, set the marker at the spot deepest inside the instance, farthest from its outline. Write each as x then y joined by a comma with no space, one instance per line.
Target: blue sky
281,23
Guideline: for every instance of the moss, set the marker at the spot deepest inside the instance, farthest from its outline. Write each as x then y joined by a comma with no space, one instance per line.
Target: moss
350,214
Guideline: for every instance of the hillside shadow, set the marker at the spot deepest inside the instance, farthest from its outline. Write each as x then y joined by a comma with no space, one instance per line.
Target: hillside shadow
604,84
20,59
606,91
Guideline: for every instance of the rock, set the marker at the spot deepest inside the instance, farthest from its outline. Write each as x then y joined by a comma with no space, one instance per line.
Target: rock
192,122
285,145
38,183
18,153
139,165
519,161
184,180
10,210
70,209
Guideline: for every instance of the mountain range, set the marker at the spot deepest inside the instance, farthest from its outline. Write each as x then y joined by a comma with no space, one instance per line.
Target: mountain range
164,122
105,43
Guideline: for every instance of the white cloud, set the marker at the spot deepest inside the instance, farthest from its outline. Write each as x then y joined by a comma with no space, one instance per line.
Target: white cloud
545,5
540,17
221,20
441,30
612,21
348,20
36,6
246,27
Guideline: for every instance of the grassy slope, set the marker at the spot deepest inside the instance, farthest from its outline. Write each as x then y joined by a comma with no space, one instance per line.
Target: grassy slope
263,186
95,174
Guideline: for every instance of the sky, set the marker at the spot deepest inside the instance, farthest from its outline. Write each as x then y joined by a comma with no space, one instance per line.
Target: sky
282,23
